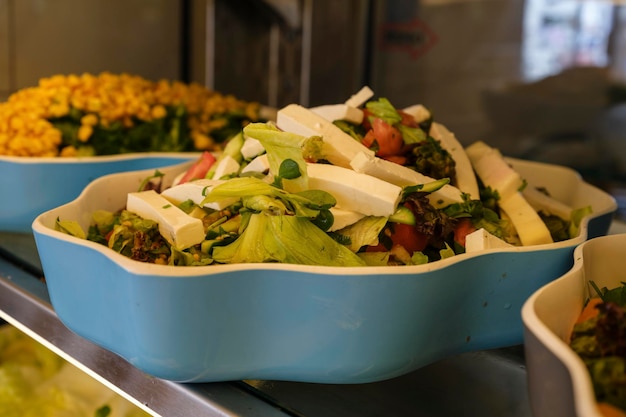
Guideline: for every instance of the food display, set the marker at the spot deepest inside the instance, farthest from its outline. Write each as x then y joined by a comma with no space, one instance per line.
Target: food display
36,382
58,136
273,292
573,336
366,185
108,114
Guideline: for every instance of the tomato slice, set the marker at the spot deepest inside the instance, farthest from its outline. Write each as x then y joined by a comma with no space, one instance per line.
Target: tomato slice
199,169
389,138
408,236
463,228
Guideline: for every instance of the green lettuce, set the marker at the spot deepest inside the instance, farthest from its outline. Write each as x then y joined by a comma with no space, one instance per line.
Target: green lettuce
285,239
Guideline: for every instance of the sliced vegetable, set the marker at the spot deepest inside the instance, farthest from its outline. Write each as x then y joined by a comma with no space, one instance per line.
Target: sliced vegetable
199,169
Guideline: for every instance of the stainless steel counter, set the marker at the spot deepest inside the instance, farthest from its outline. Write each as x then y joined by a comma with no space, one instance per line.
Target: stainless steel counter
485,383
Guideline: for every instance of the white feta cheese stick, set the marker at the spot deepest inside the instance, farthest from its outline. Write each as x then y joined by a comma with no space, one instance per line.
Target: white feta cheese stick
332,112
529,226
355,191
179,229
196,191
259,164
339,148
251,148
360,98
226,165
465,177
418,111
540,201
343,218
402,176
481,239
493,169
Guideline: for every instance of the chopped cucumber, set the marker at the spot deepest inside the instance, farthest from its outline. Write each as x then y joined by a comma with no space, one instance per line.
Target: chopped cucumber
403,215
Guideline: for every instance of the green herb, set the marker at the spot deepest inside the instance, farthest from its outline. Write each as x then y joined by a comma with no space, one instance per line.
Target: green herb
103,411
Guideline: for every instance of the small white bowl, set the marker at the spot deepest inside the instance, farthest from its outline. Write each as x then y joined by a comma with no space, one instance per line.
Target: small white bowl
558,381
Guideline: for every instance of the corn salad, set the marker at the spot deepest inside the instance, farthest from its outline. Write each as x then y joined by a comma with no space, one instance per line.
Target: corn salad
74,115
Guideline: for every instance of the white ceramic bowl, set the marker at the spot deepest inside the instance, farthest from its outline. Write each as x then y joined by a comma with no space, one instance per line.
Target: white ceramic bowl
32,185
559,383
296,322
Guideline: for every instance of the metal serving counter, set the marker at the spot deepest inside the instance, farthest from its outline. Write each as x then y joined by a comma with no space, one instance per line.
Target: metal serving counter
484,383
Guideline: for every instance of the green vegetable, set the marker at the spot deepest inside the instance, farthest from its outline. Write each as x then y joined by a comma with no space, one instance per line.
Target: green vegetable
383,109
285,148
364,232
403,215
577,217
600,341
280,239
71,227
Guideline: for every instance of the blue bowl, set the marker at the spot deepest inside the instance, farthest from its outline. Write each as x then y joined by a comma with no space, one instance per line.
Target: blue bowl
30,186
295,322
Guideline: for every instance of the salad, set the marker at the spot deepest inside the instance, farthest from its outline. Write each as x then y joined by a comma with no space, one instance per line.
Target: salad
351,184
599,338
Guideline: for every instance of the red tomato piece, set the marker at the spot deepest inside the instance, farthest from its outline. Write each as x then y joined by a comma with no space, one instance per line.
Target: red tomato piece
389,138
199,169
463,228
407,236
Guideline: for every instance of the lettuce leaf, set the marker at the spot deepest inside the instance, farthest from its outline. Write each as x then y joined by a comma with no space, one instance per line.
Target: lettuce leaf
285,239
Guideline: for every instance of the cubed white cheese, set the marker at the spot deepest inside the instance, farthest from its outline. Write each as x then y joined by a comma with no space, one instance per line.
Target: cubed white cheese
355,191
196,191
403,176
226,165
259,164
251,148
179,229
332,112
481,239
358,99
418,111
338,147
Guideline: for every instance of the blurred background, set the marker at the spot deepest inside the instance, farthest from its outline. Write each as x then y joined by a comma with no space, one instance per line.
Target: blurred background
539,79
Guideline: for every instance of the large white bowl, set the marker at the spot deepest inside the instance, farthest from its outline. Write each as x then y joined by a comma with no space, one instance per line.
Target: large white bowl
559,383
31,185
296,322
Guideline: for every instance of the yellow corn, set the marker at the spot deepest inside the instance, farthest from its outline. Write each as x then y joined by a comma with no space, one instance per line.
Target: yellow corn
105,99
